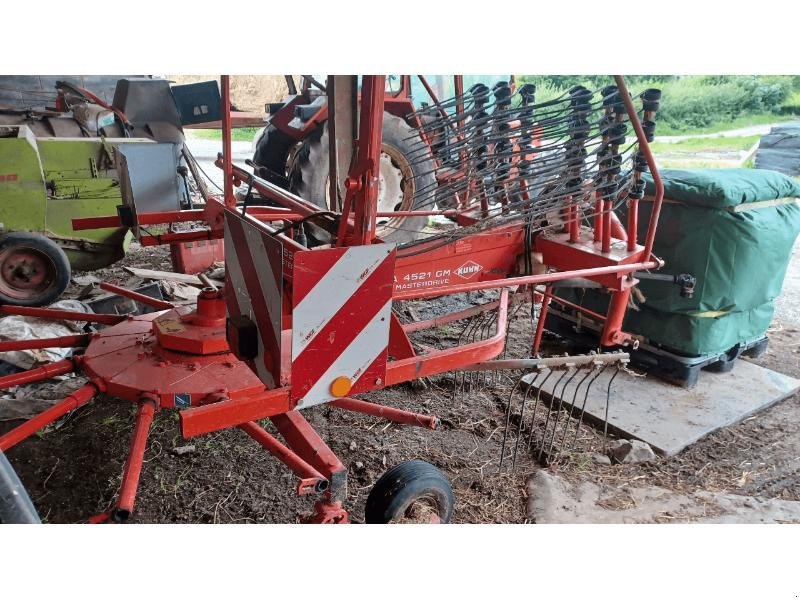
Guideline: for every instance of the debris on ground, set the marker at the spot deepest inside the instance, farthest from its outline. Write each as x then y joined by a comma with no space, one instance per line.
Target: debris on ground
18,327
181,450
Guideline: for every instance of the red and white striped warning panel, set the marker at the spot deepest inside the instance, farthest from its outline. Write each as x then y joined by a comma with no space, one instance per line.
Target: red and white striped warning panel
254,289
342,303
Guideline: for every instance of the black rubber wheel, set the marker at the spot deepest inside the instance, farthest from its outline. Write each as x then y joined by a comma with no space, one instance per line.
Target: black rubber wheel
404,185
34,270
273,148
412,492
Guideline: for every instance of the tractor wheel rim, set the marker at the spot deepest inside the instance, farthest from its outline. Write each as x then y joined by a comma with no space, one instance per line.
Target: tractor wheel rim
396,190
25,272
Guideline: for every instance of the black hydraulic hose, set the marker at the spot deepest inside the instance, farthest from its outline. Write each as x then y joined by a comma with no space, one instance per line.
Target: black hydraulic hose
15,504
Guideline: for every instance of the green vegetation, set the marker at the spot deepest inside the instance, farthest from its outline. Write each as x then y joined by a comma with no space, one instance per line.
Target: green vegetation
243,134
706,144
705,102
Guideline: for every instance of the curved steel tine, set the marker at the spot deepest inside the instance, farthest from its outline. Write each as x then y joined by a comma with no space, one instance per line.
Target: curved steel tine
572,405
549,412
599,372
558,410
535,408
508,423
520,430
608,401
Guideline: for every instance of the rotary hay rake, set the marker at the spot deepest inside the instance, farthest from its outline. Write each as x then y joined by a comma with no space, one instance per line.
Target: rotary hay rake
531,190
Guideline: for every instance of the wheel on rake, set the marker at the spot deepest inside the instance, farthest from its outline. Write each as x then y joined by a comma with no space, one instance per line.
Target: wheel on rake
34,270
412,492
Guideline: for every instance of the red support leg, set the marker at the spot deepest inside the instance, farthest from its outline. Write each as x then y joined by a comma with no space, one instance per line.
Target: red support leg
612,330
403,417
133,466
311,480
61,367
306,442
76,399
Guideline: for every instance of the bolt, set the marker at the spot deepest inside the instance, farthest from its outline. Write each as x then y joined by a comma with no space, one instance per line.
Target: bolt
378,381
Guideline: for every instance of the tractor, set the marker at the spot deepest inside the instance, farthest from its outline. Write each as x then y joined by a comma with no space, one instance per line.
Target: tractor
292,151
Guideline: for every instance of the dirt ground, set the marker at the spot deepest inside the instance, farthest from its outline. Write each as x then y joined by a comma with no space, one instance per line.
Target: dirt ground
73,468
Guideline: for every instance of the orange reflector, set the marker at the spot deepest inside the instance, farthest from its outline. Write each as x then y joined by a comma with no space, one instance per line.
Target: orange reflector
341,386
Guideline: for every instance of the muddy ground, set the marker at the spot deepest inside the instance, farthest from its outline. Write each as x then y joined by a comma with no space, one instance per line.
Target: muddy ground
73,469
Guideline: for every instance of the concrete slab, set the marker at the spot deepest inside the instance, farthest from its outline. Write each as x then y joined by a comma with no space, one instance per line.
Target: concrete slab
670,418
552,499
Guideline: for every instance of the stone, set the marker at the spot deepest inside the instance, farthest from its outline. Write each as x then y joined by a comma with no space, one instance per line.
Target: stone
632,452
353,446
600,459
181,450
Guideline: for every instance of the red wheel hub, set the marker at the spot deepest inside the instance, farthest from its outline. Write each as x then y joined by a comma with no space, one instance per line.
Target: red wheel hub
24,272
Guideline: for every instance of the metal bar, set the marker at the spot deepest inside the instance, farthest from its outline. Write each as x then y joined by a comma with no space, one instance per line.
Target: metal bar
554,361
53,313
76,399
644,148
227,159
578,307
525,280
450,317
141,298
403,417
181,237
66,341
311,480
154,218
61,367
133,465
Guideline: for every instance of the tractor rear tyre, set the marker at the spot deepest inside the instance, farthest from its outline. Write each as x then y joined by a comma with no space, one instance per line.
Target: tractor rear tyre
271,155
34,270
403,185
412,492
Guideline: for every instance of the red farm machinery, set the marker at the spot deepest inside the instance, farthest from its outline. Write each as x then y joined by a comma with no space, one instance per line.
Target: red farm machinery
525,194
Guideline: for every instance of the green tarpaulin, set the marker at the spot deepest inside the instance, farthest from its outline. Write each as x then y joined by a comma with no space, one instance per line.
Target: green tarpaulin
738,258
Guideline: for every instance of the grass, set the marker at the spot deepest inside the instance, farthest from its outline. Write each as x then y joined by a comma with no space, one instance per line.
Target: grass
737,123
243,134
712,144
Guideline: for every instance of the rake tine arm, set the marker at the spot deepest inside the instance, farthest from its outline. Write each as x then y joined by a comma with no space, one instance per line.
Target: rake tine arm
57,314
133,465
47,371
396,415
66,341
136,296
311,480
76,399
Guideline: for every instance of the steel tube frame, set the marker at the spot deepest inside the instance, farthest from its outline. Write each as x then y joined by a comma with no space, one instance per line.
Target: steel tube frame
55,369
311,480
396,415
141,298
75,400
64,341
69,315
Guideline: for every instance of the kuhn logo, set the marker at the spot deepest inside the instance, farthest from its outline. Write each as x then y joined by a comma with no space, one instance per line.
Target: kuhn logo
468,270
